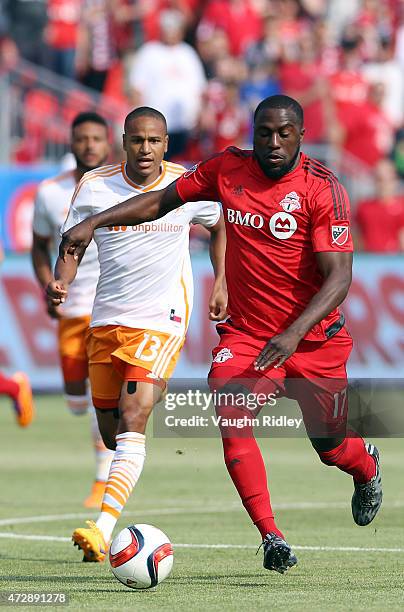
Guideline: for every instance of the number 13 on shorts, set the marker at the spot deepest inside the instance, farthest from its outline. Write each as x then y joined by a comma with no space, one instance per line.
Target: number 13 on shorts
157,352
148,348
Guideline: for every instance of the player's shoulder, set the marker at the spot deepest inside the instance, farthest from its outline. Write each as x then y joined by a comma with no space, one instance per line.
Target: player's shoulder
64,179
233,151
230,157
172,169
96,180
102,173
318,174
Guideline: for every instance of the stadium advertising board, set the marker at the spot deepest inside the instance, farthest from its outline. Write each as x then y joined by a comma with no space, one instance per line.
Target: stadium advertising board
18,187
374,311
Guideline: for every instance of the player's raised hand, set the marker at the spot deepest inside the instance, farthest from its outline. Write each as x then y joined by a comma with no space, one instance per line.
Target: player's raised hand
277,350
218,304
56,292
76,240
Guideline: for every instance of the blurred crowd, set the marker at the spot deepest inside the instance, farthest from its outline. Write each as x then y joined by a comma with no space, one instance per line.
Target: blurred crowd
207,63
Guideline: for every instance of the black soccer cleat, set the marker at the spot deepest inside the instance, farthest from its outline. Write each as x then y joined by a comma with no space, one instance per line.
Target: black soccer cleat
367,497
278,555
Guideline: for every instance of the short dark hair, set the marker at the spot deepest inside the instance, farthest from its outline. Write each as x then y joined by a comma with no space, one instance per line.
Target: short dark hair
145,111
88,116
281,101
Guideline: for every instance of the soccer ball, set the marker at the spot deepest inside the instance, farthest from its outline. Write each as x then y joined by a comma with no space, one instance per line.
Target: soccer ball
141,556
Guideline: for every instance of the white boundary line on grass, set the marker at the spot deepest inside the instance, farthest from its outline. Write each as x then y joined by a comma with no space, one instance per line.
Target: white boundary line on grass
236,507
42,538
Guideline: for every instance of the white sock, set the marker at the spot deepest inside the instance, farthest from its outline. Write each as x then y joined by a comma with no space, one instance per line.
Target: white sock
124,473
77,404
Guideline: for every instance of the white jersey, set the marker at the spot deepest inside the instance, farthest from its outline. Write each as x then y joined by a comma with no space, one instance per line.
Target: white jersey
51,207
145,270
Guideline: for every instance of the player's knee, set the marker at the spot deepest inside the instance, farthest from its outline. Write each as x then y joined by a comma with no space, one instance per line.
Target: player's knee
77,404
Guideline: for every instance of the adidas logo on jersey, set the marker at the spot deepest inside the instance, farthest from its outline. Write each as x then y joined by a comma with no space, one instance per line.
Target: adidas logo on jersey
238,190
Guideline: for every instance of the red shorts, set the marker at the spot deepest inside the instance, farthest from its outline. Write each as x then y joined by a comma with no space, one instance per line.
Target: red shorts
315,376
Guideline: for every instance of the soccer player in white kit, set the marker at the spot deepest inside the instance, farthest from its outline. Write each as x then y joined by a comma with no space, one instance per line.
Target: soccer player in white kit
142,305
90,147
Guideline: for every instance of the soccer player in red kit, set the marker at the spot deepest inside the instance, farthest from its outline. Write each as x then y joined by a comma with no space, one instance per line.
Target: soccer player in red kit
288,267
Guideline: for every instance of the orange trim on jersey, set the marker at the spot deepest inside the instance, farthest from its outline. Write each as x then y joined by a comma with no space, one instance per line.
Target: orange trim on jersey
148,187
186,302
175,167
96,174
60,177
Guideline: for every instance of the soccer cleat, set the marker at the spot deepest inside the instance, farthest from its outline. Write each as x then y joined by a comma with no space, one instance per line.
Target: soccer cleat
94,500
367,497
278,555
91,541
24,404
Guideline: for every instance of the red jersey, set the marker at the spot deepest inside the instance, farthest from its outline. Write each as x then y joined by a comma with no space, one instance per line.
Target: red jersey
274,229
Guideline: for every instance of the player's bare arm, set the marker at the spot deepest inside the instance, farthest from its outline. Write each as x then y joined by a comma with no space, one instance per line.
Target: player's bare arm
41,262
65,273
41,259
336,269
217,250
136,210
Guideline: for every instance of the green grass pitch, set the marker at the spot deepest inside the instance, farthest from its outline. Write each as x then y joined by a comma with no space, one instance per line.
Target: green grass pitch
185,490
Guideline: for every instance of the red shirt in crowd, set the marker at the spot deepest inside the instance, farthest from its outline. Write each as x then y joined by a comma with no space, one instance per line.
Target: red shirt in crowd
380,224
348,87
63,21
242,24
274,229
368,132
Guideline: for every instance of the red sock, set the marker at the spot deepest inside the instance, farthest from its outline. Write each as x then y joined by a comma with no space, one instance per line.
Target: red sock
9,387
247,470
351,457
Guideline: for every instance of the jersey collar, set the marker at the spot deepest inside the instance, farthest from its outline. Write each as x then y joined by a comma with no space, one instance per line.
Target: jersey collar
144,187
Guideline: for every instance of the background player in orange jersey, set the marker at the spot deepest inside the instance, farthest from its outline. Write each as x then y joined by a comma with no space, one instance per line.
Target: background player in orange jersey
142,305
90,147
18,388
288,268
